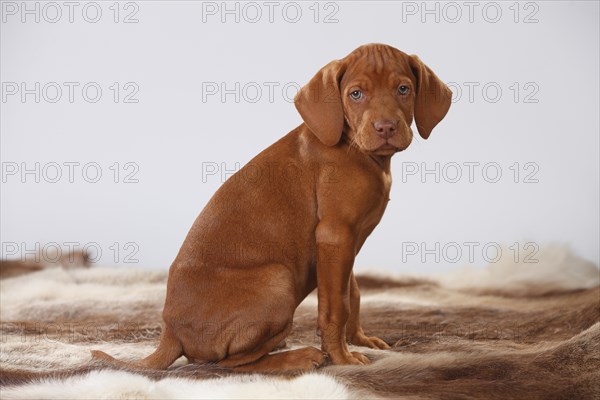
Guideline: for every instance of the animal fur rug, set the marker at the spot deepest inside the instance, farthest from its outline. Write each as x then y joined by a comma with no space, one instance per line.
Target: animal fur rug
511,330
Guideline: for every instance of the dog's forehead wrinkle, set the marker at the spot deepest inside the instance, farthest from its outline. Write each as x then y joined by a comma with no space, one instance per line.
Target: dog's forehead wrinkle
377,48
386,80
360,82
377,54
390,73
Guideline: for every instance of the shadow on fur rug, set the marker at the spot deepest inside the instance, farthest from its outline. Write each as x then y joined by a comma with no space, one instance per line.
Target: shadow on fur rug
511,330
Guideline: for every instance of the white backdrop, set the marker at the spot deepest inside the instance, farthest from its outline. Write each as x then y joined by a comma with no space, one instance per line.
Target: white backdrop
161,97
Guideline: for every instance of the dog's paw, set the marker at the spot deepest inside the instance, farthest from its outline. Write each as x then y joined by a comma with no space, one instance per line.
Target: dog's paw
348,358
306,359
372,342
361,357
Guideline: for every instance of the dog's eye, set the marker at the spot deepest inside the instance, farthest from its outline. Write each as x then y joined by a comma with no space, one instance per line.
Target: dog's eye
403,89
356,94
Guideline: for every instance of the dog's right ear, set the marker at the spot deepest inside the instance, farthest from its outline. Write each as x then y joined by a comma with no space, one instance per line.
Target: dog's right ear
320,104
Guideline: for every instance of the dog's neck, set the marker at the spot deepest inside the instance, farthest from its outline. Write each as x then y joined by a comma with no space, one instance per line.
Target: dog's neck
383,161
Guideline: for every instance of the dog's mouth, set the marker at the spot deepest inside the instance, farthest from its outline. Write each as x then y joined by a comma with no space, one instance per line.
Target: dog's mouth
386,149
378,146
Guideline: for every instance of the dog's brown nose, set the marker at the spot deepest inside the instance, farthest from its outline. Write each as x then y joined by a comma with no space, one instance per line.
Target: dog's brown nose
385,128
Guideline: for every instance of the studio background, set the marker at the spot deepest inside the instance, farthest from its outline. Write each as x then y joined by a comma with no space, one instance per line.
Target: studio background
524,75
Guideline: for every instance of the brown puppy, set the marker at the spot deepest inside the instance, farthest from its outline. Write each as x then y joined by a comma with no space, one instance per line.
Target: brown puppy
294,218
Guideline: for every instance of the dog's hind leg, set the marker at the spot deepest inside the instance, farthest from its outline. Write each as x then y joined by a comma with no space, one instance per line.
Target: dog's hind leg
304,359
260,360
169,349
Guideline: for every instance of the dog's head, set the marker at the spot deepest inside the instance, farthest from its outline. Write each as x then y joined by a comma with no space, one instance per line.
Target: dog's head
370,97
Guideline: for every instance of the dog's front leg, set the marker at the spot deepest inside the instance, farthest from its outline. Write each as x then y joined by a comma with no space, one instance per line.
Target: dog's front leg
354,330
336,249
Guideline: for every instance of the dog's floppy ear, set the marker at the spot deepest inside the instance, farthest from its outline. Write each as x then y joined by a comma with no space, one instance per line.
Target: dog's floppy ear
320,104
433,97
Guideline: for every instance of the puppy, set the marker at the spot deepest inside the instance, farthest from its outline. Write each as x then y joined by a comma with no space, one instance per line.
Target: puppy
294,218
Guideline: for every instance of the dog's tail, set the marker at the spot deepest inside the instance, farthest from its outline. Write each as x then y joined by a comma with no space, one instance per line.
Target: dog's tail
169,349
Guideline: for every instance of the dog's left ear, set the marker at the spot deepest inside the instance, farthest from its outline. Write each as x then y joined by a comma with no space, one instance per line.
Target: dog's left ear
433,97
320,104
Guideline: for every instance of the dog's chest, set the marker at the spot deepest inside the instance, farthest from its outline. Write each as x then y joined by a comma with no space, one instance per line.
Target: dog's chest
375,208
